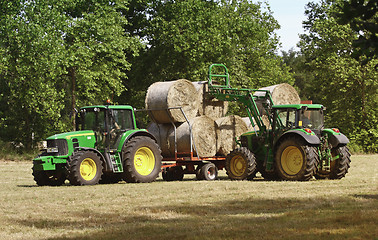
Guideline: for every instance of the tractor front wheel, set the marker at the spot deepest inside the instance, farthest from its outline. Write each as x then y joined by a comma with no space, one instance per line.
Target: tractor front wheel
339,167
141,160
295,160
85,168
49,178
240,163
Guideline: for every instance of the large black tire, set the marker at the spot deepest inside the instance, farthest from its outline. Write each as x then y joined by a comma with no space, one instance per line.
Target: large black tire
209,172
240,164
339,167
296,160
49,178
84,168
141,160
173,173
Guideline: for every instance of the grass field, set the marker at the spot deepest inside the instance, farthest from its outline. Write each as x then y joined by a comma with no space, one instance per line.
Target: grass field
224,209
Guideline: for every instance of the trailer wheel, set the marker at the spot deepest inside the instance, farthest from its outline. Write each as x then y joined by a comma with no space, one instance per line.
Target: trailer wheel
240,163
295,160
49,178
339,167
141,160
173,173
209,172
198,172
85,168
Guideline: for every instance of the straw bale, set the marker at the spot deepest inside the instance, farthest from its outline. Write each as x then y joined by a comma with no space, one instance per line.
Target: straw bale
204,132
281,94
209,105
162,133
230,127
163,95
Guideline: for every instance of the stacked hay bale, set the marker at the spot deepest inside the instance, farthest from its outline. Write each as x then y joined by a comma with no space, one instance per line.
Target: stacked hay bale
230,128
281,94
208,104
212,132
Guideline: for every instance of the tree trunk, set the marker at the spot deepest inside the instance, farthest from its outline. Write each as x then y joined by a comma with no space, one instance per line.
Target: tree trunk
72,72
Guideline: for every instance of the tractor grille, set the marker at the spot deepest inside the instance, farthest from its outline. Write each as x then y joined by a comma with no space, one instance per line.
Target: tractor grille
61,144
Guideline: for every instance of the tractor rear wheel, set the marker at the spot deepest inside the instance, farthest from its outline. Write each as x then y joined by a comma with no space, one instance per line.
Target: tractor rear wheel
49,178
141,160
240,163
339,167
295,160
85,168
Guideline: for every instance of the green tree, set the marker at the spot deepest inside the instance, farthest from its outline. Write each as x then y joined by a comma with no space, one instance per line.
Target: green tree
346,88
362,16
184,37
56,55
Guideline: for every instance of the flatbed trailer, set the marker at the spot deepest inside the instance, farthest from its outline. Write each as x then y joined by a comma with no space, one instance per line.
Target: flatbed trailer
175,167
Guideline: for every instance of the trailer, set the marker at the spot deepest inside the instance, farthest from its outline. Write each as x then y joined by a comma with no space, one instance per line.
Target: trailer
180,163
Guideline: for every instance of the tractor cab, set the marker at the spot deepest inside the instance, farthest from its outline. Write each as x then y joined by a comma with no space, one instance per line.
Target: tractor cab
107,122
298,116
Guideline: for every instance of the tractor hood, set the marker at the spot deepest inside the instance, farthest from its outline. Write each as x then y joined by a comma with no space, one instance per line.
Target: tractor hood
71,135
71,140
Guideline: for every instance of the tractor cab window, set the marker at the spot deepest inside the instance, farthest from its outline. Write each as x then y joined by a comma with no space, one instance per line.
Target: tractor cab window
121,119
311,118
92,119
286,118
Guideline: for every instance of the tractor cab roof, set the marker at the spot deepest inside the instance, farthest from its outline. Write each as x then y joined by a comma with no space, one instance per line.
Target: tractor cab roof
110,107
299,106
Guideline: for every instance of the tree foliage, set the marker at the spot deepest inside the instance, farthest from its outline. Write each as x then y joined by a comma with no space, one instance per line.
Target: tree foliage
54,52
184,37
346,88
362,16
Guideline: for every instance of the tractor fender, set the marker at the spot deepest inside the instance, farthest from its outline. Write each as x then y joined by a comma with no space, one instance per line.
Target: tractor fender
134,134
336,140
90,149
310,139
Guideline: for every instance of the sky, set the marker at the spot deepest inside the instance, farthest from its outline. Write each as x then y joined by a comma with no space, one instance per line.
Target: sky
289,14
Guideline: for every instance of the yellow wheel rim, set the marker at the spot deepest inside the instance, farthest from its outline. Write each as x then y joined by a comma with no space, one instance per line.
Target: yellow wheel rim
238,166
144,161
292,160
88,169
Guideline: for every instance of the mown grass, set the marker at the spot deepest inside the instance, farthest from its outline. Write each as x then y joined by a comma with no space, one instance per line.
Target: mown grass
318,209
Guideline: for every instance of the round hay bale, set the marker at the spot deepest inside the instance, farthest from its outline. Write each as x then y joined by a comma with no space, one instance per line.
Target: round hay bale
230,127
265,120
204,132
162,133
163,95
281,94
249,124
209,105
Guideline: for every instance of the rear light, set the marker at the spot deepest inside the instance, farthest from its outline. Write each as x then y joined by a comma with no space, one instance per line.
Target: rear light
308,130
336,130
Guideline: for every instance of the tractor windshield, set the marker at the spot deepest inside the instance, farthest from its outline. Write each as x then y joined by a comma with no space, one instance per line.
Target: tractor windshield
312,118
92,119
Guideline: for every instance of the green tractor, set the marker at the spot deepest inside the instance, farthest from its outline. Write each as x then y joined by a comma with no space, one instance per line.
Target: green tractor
106,148
291,143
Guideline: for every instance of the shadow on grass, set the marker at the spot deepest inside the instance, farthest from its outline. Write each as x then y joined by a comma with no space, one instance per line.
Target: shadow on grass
287,218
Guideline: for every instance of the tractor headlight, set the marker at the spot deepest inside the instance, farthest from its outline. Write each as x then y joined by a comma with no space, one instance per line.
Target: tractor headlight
52,150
